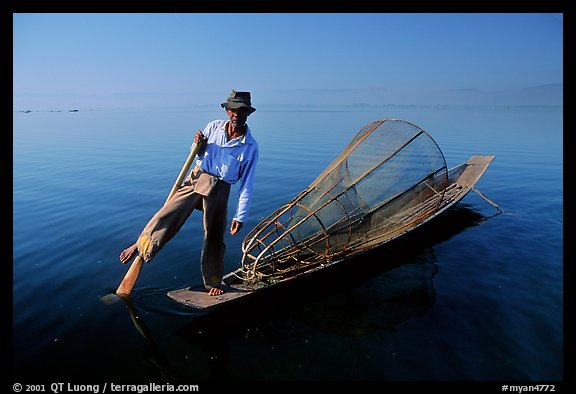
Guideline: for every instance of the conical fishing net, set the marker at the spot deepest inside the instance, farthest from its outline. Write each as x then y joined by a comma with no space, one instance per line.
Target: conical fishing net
389,178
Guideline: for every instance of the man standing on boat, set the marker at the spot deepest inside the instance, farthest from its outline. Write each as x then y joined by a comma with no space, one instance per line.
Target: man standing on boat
228,155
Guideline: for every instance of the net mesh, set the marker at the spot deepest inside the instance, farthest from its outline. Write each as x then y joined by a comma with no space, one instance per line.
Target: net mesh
388,179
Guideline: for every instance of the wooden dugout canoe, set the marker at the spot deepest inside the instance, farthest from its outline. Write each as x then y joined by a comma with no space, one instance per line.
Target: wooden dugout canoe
390,180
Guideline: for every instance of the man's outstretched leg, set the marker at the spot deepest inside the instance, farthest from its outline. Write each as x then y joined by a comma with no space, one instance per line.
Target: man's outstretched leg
164,224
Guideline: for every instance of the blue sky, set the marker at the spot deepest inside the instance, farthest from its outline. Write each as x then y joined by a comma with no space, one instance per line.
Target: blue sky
113,60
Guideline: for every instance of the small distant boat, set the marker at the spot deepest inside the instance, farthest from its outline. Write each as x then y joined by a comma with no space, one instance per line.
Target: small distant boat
388,181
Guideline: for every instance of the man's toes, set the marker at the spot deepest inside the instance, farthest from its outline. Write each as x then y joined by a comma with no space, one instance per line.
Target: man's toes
215,291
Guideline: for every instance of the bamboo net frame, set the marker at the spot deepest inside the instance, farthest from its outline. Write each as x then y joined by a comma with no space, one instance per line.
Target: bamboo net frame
388,179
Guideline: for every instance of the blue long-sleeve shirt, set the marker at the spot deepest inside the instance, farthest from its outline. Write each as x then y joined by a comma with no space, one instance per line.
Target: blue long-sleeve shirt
231,161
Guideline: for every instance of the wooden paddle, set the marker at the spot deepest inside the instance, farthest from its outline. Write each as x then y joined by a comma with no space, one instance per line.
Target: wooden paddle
130,278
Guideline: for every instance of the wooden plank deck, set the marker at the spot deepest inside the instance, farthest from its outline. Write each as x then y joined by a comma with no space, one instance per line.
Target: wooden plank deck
198,297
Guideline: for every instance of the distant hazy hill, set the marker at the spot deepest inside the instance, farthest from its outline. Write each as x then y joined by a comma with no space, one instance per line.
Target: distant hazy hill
546,94
550,94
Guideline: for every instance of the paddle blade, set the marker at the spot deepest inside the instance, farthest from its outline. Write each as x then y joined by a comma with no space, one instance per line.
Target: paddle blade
110,299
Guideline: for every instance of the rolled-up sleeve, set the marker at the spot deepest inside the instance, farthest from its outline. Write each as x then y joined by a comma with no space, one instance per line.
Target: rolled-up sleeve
246,185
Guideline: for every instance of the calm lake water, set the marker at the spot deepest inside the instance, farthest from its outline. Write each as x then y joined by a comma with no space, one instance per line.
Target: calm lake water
477,296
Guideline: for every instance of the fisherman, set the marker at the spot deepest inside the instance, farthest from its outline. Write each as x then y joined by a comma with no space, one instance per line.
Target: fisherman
228,154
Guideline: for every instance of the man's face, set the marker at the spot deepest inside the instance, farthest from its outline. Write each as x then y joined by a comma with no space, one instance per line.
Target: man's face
238,116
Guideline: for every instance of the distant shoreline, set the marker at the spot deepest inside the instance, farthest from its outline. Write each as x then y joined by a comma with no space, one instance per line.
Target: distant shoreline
310,108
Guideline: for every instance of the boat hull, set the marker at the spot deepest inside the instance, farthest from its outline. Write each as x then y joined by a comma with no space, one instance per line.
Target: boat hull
461,179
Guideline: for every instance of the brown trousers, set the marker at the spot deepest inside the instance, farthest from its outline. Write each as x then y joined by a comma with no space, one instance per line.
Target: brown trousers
200,191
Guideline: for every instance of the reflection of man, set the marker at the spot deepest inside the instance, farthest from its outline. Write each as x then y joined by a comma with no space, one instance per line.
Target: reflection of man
228,155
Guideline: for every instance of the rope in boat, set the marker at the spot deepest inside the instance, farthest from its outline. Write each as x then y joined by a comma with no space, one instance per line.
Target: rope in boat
488,200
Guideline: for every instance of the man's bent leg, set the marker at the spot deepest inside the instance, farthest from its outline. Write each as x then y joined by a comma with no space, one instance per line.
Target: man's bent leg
167,221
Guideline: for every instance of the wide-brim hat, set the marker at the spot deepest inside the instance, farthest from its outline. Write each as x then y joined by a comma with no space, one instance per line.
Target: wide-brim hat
238,100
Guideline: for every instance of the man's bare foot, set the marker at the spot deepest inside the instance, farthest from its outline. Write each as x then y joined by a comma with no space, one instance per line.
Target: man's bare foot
128,253
215,291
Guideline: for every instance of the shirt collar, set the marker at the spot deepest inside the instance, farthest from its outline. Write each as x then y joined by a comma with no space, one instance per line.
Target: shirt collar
246,139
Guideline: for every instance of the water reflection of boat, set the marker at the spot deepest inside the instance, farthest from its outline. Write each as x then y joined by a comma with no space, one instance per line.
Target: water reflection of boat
390,180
